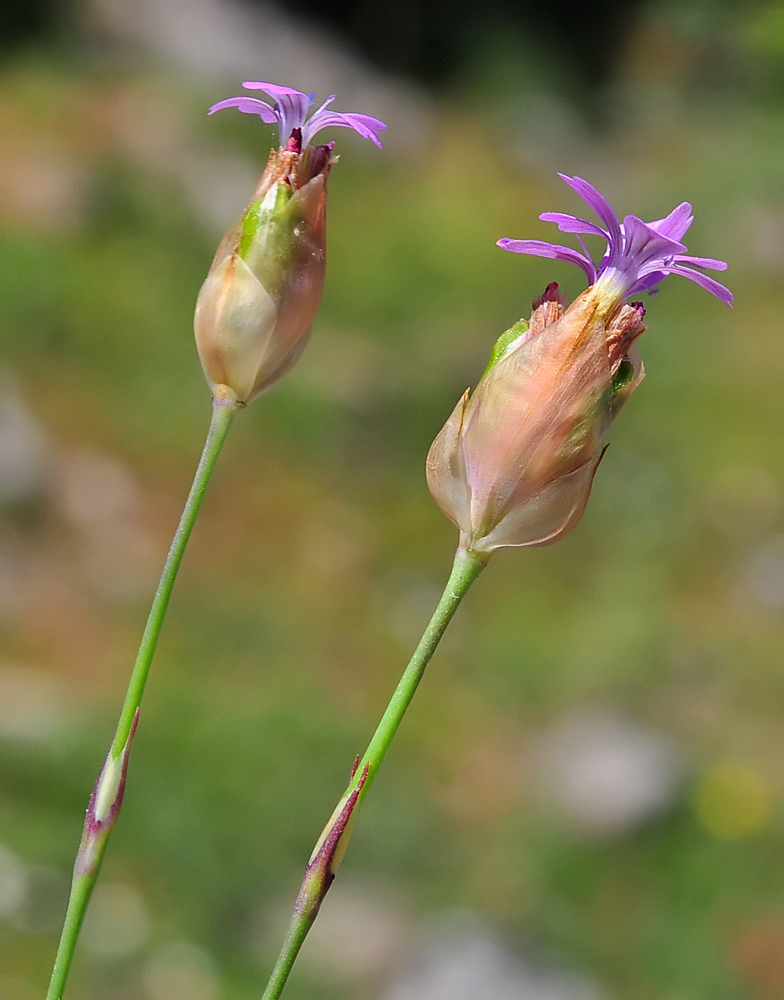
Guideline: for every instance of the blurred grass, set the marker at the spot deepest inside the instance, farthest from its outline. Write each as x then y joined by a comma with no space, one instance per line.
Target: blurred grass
282,642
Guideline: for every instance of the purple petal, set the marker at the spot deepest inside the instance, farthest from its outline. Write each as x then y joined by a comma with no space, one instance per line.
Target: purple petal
365,125
676,224
643,244
647,283
249,105
709,262
571,224
598,203
293,110
639,255
274,90
326,104
537,248
704,281
291,105
584,249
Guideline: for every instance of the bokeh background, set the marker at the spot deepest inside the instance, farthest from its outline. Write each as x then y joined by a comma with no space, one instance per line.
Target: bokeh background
587,798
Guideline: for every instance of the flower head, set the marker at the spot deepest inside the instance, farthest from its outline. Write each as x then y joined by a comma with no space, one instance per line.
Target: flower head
262,293
290,110
639,254
515,462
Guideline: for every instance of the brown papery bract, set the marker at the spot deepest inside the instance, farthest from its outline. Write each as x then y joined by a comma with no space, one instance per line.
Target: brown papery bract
515,462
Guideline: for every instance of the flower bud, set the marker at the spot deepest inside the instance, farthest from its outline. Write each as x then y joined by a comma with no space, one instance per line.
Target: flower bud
262,293
515,462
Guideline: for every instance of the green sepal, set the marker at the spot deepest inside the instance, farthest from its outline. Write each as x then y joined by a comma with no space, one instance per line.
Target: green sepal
620,384
504,342
257,216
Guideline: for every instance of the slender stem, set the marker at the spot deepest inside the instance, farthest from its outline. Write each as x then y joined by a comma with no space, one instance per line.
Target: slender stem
323,863
295,937
223,413
107,794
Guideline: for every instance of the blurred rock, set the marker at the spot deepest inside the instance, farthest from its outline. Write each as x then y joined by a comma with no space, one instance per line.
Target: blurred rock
43,907
97,490
181,971
13,883
359,935
99,495
763,577
403,603
465,962
31,704
218,185
608,774
116,923
335,540
42,186
24,451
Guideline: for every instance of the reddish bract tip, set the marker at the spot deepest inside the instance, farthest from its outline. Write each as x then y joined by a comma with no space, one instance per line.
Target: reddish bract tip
551,294
294,145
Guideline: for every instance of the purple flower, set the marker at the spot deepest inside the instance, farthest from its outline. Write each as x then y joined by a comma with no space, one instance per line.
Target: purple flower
290,110
639,254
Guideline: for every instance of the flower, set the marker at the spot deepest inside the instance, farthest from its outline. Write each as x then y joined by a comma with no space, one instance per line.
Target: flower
262,293
290,112
639,254
514,464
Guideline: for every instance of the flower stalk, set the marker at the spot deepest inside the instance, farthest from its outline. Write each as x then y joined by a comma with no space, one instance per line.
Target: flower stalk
332,844
252,321
107,795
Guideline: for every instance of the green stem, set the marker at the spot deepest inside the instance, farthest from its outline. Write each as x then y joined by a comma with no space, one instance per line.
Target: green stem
321,871
107,795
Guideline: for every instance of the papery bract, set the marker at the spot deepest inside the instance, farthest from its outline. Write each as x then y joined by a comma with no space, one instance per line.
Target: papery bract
514,464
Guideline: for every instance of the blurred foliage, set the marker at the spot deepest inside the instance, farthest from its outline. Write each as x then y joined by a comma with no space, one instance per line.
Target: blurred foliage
319,552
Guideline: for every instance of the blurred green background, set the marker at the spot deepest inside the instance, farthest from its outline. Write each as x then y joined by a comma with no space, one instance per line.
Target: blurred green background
586,799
